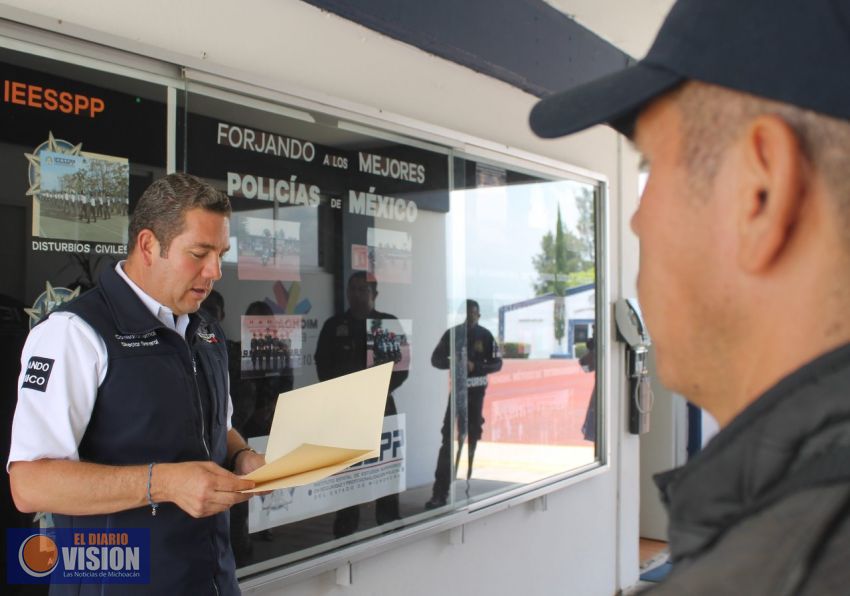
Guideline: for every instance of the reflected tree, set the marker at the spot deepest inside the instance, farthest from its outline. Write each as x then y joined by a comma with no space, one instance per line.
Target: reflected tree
566,257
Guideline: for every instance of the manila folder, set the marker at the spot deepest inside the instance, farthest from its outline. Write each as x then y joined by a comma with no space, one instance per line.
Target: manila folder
324,428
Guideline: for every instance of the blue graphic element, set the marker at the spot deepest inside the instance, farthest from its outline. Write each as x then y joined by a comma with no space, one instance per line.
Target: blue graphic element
78,556
303,307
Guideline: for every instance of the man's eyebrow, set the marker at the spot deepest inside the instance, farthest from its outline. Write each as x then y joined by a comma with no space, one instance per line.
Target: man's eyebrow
208,246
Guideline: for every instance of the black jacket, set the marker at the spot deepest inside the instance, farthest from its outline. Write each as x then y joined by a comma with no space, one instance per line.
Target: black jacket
477,345
152,407
342,347
765,508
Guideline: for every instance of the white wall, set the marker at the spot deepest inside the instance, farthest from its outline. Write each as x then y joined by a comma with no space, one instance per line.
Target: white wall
631,26
664,447
585,542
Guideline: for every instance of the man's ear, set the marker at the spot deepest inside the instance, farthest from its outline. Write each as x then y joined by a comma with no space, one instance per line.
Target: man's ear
772,194
147,245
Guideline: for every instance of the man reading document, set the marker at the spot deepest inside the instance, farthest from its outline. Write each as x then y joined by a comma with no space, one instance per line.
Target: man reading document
123,416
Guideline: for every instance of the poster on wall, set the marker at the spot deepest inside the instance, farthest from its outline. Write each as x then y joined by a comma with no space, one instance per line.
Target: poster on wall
271,345
77,149
389,256
359,257
78,195
268,249
361,483
388,340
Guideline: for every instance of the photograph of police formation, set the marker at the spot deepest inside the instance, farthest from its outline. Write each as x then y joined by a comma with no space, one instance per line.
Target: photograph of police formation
268,353
268,249
81,207
86,200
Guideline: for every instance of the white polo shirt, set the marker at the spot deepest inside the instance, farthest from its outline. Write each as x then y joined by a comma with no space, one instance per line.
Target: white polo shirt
50,421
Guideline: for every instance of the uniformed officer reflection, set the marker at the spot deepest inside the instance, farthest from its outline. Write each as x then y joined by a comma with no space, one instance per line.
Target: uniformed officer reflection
478,356
341,350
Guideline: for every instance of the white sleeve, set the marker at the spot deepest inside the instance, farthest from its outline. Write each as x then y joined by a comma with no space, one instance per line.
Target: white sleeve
63,363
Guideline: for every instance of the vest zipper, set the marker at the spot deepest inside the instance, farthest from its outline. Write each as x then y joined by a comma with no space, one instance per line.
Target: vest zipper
197,392
200,406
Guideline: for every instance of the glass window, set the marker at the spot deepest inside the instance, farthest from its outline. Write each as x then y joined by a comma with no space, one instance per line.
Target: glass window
336,267
530,263
353,247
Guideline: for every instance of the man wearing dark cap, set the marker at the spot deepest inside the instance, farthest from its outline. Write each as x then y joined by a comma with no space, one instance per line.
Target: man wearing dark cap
742,113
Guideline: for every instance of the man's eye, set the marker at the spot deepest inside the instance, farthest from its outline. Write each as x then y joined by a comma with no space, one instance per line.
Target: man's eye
198,255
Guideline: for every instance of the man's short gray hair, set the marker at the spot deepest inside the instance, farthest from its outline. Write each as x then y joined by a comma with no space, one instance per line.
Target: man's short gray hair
163,206
713,116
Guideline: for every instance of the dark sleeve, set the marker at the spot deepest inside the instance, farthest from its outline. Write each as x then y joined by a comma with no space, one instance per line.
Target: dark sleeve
242,405
324,352
397,378
492,361
244,399
440,356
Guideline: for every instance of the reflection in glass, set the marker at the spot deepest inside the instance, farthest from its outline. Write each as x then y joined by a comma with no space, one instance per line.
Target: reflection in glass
476,356
334,229
530,256
330,222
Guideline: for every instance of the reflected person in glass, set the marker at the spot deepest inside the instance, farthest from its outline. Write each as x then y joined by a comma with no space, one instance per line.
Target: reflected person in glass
478,355
342,349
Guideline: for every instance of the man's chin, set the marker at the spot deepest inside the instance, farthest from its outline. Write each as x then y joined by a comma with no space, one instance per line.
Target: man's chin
189,307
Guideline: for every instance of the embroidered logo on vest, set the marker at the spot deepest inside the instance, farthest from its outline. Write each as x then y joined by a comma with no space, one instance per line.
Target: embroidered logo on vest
210,338
138,340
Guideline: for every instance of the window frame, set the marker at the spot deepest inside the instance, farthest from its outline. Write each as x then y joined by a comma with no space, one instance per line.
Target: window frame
276,97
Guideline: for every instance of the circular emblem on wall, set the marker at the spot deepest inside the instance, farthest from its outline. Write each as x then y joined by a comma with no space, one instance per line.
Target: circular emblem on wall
52,145
48,300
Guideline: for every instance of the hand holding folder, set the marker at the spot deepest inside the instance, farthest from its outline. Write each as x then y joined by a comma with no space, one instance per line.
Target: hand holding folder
324,428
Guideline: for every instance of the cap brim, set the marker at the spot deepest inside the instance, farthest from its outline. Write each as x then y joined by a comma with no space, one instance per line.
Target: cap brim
614,99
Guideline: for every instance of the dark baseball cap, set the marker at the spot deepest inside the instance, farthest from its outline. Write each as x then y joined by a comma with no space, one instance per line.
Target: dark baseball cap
792,51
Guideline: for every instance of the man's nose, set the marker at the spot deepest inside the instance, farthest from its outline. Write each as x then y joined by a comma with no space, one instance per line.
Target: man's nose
212,268
633,222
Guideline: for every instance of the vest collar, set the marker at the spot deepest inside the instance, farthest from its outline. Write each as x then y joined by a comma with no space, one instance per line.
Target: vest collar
130,314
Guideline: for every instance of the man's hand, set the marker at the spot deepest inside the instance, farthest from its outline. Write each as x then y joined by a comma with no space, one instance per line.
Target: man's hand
248,461
199,488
